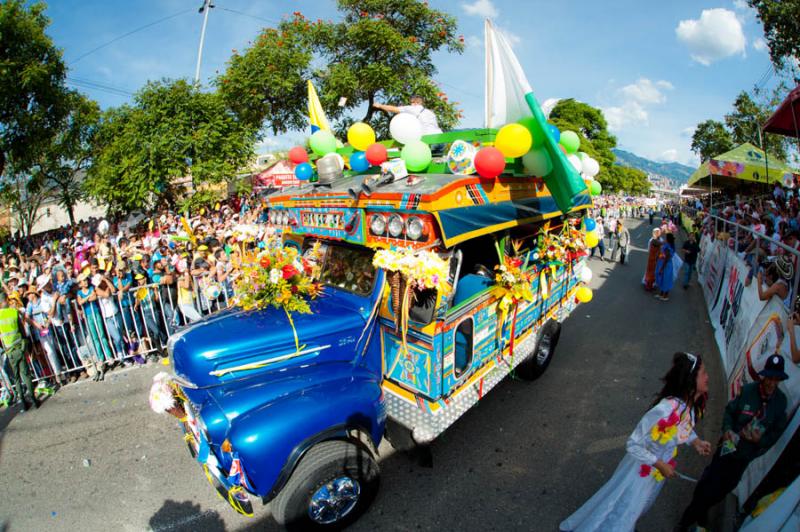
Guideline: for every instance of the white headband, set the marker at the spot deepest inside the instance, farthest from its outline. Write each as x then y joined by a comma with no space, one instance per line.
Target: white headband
693,358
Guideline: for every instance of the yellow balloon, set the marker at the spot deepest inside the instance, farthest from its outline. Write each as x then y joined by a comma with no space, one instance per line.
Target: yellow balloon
513,140
591,239
360,136
584,294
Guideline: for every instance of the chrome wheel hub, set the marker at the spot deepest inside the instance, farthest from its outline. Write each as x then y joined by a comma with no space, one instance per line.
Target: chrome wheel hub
543,352
334,500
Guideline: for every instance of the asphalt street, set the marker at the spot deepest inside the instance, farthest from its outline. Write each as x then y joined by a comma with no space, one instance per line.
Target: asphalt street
95,457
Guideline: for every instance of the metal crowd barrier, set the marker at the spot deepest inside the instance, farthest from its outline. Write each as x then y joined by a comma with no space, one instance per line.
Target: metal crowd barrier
135,323
738,233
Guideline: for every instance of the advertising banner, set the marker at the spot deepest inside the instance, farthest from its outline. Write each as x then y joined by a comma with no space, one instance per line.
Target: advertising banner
715,262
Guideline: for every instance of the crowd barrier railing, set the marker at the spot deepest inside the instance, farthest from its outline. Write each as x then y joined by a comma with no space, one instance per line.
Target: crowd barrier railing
121,329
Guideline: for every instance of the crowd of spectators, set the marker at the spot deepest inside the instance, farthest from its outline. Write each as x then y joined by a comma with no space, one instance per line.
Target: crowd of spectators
103,295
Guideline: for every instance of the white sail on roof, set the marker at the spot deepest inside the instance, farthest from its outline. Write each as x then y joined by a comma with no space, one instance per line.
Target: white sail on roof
506,84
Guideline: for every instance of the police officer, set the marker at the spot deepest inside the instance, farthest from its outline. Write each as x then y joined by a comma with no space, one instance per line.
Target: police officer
14,346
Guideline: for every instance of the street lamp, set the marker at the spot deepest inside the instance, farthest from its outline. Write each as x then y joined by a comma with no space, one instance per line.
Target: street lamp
206,7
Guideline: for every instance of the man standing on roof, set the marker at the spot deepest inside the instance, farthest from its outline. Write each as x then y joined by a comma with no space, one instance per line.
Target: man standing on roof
428,119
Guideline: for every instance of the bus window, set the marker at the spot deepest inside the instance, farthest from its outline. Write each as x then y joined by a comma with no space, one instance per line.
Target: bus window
463,347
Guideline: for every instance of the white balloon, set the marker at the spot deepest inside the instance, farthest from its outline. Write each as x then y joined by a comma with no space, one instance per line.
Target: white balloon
591,167
102,227
405,128
575,161
586,275
582,155
537,162
338,158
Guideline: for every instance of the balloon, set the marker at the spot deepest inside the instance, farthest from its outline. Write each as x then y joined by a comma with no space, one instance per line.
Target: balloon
589,224
360,136
591,239
532,126
554,132
417,155
513,140
570,140
584,294
576,163
298,155
303,171
376,154
595,188
358,161
489,162
537,162
586,275
323,142
590,166
405,127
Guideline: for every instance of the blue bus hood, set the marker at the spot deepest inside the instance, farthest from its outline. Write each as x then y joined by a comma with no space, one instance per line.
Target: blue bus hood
261,342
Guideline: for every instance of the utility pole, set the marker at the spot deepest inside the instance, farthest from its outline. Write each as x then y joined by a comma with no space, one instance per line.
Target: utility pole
207,6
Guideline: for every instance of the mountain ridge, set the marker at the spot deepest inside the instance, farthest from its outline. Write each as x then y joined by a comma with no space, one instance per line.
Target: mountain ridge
676,172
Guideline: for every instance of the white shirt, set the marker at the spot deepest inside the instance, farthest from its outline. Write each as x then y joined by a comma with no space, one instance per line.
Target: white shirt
428,119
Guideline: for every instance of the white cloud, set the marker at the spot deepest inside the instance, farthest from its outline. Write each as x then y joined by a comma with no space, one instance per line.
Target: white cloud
473,41
717,34
670,155
481,8
760,45
688,131
627,114
513,38
741,5
646,92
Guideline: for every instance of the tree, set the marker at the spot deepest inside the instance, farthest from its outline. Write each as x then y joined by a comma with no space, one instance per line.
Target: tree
710,138
23,194
745,122
781,20
32,89
66,159
172,130
382,50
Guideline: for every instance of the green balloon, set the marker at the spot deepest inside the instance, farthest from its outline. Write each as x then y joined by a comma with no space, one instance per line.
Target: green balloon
417,155
570,140
595,188
322,142
533,126
537,162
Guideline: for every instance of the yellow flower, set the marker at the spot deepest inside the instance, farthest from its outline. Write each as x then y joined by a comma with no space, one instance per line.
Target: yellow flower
285,296
663,434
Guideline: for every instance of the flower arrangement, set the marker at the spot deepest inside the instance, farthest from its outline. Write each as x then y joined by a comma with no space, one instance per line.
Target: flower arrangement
163,394
279,277
666,428
410,272
513,277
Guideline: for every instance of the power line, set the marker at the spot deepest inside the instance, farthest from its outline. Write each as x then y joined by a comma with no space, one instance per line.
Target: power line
242,13
140,28
94,85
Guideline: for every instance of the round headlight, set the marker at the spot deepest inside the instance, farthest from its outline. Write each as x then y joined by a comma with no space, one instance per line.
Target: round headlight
414,228
377,224
395,225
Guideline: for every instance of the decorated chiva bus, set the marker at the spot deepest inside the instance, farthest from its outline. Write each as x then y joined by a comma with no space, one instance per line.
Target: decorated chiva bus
387,302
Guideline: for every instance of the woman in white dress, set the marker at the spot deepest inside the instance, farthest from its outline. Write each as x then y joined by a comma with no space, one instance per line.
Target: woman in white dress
651,451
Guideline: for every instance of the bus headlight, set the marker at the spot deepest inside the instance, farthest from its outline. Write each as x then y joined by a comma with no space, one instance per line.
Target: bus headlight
395,225
414,228
377,224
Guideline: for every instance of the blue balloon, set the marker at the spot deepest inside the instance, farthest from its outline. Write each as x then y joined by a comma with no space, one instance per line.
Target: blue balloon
358,161
303,171
590,224
554,132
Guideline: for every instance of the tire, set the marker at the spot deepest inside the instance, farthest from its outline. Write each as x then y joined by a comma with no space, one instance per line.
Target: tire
331,465
536,362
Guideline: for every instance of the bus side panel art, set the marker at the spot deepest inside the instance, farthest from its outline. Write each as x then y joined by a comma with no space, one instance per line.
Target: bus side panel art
415,368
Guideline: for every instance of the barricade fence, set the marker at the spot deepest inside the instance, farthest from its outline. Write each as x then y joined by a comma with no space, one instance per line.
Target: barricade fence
748,328
122,328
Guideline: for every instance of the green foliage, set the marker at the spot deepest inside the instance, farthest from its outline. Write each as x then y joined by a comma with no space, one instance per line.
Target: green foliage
23,193
710,138
596,141
382,51
172,130
745,122
32,90
781,20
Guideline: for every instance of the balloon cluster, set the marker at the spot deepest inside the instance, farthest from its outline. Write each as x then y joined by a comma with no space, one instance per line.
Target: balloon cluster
584,294
591,239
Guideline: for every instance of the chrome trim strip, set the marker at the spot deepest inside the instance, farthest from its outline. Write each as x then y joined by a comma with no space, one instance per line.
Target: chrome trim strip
265,362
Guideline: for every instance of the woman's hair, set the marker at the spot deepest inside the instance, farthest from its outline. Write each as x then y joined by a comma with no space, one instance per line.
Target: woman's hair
670,239
681,382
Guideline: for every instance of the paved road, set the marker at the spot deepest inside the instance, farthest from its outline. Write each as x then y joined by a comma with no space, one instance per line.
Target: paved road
527,457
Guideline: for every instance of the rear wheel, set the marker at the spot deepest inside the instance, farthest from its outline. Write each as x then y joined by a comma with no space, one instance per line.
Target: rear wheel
332,486
536,362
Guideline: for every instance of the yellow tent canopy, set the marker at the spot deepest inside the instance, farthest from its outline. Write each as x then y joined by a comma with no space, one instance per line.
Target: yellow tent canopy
743,164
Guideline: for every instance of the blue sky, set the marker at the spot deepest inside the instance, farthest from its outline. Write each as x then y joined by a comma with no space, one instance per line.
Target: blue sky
655,68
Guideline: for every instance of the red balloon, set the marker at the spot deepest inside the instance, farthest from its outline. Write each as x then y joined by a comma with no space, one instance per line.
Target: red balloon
489,162
376,154
298,155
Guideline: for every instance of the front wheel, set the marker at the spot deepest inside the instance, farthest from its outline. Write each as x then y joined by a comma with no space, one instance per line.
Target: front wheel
332,486
536,362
